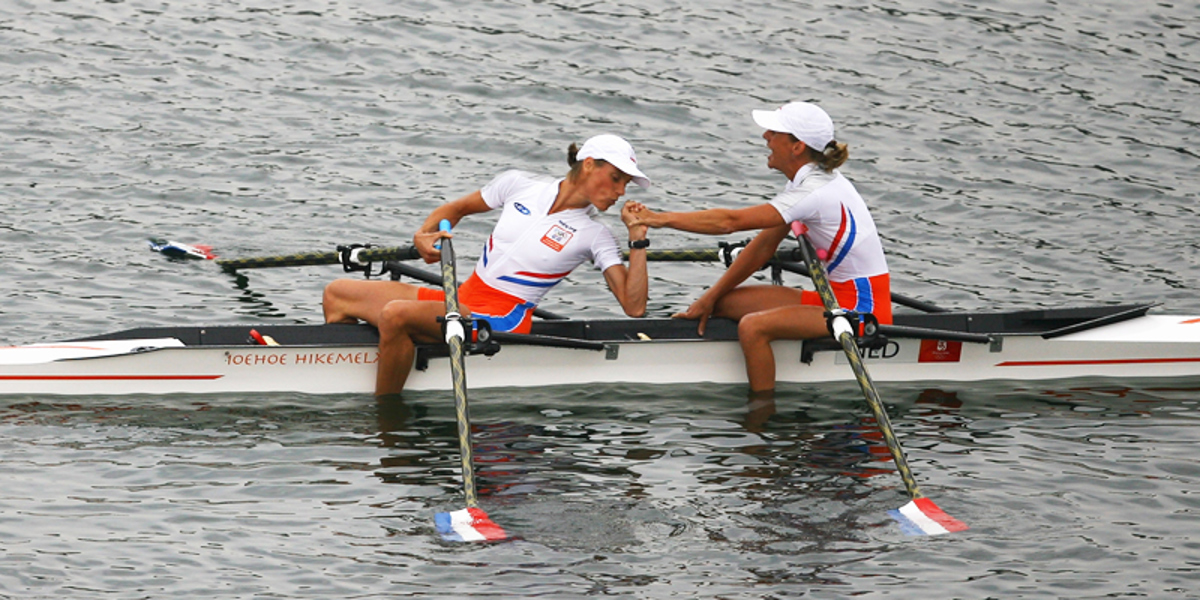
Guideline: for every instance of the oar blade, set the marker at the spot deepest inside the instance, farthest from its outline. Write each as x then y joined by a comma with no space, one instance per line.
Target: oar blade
181,250
923,517
468,525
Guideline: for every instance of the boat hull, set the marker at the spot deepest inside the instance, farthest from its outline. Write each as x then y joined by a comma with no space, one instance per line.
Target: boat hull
1145,347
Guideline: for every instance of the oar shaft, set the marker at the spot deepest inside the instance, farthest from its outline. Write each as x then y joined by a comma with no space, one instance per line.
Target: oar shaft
850,347
319,258
788,260
458,372
706,255
881,416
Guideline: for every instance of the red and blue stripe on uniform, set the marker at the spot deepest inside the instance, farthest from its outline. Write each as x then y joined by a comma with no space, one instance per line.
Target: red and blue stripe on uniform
843,241
531,279
526,278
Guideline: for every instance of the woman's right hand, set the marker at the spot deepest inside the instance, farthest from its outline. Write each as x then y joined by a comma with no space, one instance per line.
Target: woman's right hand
700,310
642,216
424,242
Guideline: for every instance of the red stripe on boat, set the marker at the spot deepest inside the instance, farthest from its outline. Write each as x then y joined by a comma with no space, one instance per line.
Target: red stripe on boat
109,377
1113,361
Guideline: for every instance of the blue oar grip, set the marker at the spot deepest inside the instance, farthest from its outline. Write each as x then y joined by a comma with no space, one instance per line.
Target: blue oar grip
443,225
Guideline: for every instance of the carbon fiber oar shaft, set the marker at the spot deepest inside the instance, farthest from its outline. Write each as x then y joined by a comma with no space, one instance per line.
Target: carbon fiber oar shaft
706,255
458,370
846,338
319,258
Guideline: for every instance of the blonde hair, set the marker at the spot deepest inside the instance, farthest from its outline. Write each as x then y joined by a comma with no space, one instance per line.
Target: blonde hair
834,155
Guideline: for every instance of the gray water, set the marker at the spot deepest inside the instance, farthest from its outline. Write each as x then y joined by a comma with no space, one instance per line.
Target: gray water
1014,155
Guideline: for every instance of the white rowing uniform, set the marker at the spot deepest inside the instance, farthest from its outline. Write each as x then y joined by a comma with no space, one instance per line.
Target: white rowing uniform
530,250
838,222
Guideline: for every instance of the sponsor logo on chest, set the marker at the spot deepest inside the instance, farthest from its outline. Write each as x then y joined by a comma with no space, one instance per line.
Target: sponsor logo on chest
558,236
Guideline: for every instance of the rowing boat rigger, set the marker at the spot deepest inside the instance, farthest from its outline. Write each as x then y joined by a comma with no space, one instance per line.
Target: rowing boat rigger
1119,342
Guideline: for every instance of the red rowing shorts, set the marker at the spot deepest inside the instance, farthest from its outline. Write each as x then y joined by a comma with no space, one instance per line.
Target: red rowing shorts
863,295
503,311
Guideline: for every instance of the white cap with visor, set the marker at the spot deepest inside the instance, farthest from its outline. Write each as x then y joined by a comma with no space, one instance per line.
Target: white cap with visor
804,120
616,152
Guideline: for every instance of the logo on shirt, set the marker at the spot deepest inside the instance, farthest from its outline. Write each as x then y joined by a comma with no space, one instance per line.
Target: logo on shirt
557,237
521,207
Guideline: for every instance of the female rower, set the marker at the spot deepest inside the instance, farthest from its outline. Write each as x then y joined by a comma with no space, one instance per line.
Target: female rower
800,138
546,228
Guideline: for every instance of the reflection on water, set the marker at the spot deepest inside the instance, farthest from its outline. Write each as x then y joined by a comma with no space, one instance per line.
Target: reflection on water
612,488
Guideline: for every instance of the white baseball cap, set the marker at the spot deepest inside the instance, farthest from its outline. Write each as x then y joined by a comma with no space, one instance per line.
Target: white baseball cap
616,152
804,120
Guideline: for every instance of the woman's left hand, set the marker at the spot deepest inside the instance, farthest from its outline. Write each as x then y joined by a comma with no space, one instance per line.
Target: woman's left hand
630,215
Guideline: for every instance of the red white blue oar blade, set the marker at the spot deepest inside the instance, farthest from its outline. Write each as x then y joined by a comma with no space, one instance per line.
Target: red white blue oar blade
468,525
922,517
181,250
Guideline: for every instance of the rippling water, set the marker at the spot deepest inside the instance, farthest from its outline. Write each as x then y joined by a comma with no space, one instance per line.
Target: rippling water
1022,154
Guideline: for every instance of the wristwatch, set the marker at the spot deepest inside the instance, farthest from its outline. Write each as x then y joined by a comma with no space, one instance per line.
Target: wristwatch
639,244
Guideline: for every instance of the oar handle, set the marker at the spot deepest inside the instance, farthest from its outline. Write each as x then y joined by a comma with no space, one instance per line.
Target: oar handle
361,255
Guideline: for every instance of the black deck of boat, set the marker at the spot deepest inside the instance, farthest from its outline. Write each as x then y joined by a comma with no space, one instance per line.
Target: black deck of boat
1045,322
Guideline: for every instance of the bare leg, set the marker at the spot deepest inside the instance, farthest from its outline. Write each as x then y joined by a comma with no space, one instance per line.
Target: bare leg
766,313
349,300
757,330
753,298
402,320
404,324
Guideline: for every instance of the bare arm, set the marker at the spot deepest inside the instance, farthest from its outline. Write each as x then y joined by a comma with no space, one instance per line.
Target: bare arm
631,286
714,221
756,254
454,211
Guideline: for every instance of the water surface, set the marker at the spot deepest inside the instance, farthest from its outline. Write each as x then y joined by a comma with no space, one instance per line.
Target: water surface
1014,155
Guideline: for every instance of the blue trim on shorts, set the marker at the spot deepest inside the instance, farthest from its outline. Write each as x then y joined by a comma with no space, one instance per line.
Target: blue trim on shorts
509,322
866,295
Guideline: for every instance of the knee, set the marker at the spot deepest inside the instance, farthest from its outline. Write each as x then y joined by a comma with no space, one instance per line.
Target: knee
394,319
753,328
333,300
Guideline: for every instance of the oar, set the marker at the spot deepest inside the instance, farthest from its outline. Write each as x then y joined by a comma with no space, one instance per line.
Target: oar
470,524
788,260
725,254
920,516
359,255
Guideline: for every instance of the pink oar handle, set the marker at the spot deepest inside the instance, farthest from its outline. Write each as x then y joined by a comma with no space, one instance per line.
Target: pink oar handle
800,229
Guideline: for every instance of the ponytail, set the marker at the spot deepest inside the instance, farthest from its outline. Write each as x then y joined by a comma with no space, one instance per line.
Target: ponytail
574,162
834,156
